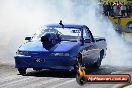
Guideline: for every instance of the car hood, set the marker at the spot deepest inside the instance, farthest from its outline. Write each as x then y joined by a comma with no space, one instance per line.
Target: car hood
36,46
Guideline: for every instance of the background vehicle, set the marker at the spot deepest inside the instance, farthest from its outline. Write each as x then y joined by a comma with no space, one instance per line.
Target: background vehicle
61,47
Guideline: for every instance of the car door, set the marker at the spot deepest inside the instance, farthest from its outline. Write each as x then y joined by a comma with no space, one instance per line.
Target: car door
90,52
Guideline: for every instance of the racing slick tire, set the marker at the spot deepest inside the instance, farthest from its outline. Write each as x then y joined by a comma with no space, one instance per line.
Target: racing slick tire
97,64
78,64
22,71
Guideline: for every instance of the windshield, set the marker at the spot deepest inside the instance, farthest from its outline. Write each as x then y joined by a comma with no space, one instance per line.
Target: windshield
67,34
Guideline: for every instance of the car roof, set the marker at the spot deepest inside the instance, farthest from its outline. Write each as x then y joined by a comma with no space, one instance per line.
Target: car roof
65,26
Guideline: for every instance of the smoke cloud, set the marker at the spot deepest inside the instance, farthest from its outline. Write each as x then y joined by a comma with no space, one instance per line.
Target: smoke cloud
21,18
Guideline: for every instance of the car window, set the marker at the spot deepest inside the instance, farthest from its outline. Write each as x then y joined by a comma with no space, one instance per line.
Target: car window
86,34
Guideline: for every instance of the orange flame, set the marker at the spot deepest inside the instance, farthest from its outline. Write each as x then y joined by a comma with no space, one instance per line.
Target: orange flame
81,71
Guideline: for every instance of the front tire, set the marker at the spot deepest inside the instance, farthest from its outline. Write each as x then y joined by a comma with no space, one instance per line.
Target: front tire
22,71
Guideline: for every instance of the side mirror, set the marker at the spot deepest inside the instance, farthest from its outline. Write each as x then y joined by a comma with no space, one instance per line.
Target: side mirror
87,40
28,38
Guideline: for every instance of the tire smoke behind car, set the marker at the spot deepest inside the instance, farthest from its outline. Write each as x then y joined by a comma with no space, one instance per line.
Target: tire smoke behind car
21,18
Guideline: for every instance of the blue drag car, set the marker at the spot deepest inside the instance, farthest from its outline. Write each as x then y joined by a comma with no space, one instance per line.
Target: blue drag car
60,47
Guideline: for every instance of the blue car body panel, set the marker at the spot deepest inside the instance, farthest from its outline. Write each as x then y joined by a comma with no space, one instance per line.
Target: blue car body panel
64,46
65,26
51,62
36,51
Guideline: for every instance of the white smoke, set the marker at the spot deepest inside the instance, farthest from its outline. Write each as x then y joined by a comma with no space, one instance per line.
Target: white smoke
21,18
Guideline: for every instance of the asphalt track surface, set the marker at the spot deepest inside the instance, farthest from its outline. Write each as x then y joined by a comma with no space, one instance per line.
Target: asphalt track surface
10,78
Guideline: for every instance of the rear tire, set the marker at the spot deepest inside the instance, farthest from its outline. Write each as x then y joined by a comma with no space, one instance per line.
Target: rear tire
78,63
97,64
79,60
22,71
